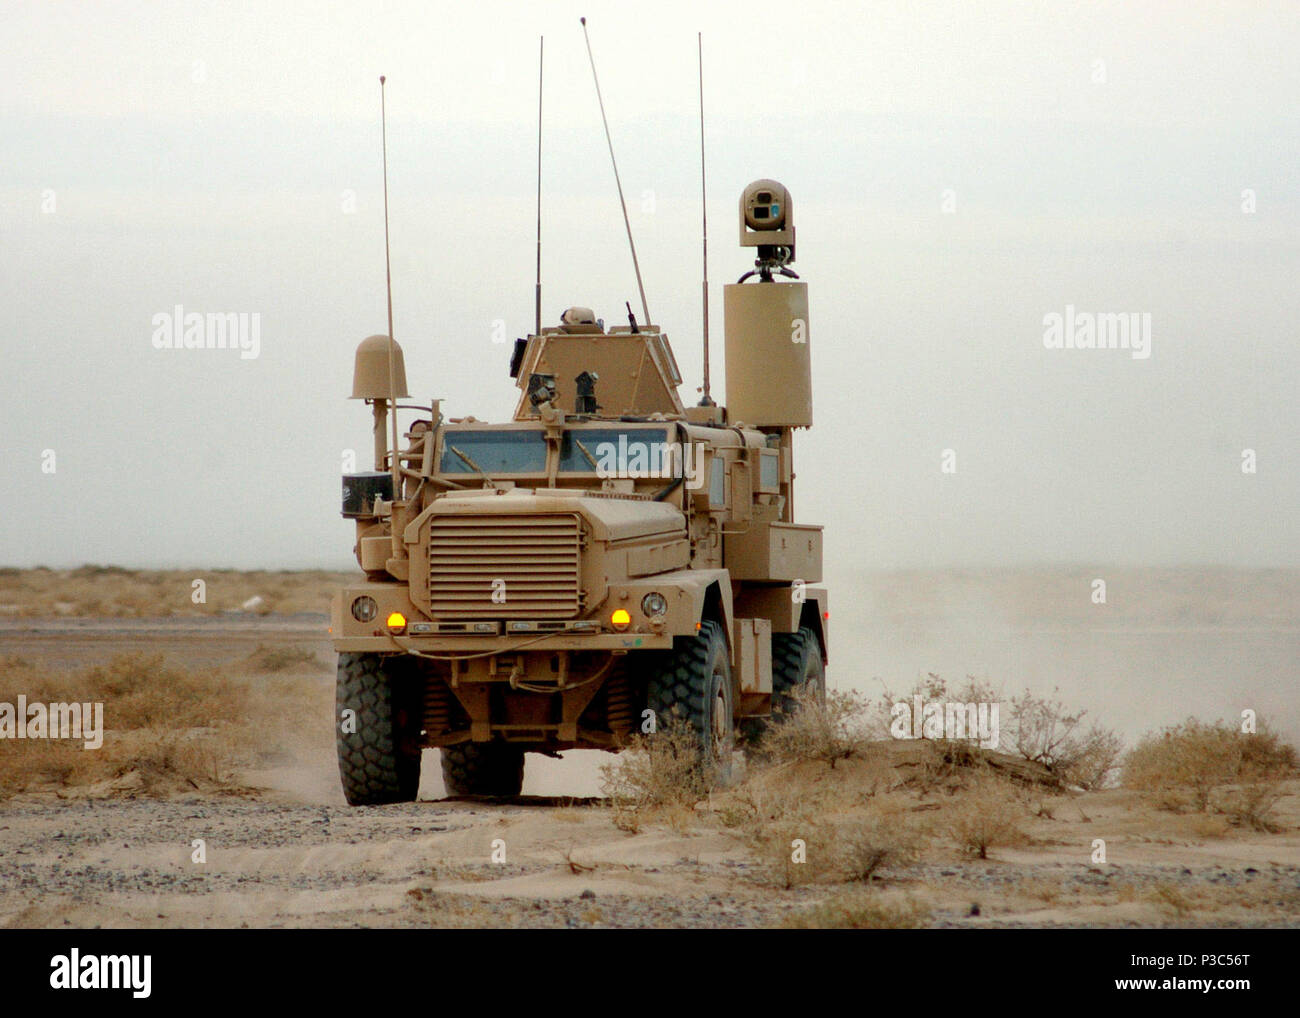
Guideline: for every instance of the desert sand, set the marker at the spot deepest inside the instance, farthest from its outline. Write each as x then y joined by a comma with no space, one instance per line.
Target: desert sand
280,848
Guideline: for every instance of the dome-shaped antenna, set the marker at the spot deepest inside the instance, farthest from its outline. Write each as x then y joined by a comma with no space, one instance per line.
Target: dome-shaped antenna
379,377
370,376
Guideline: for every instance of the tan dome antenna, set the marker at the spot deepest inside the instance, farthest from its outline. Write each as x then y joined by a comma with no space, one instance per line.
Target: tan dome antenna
379,377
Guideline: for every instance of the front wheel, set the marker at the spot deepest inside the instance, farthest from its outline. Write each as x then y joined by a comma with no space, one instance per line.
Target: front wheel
377,734
694,686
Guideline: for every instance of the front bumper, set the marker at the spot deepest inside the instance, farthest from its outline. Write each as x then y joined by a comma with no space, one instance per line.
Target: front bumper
348,634
502,644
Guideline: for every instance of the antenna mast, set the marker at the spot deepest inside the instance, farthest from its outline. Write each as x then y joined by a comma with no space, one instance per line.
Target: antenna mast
635,264
537,317
706,400
388,278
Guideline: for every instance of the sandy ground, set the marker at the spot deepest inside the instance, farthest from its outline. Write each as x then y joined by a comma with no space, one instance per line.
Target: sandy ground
272,859
286,851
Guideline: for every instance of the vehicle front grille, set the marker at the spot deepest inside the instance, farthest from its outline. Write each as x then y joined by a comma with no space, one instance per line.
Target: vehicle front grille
516,567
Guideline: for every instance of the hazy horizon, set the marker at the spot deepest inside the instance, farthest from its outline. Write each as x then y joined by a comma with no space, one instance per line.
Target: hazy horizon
958,176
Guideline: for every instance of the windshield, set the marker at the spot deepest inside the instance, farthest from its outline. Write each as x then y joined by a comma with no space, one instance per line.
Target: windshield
493,452
606,452
617,452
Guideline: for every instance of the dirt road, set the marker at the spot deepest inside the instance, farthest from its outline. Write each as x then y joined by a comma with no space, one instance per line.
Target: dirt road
285,851
272,862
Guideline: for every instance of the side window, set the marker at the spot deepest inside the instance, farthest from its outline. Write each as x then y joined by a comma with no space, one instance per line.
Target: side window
717,482
769,472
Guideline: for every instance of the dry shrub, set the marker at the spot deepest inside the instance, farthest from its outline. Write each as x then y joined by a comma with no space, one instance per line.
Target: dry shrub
862,910
783,818
986,816
950,765
1169,898
1202,766
947,764
1205,825
1042,889
932,689
1251,805
158,761
659,776
793,850
1044,731
165,729
141,691
804,830
1038,729
279,659
881,836
828,731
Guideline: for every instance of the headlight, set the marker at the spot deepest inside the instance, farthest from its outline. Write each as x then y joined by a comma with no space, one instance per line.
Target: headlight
364,609
654,604
620,619
397,623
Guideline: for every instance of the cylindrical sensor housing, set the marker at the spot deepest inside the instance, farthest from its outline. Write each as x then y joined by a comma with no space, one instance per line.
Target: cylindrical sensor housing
769,370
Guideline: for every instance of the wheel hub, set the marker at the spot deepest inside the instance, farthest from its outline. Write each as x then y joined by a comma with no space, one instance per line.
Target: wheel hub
719,721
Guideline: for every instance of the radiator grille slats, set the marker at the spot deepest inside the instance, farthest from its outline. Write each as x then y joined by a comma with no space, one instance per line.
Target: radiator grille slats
530,561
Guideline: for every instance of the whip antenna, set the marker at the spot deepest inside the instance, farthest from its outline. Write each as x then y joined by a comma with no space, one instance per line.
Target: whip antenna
388,278
632,244
707,400
541,49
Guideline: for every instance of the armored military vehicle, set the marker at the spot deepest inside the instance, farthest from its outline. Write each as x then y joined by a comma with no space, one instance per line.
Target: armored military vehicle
603,561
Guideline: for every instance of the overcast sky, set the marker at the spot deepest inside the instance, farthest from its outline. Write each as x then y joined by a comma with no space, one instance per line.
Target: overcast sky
959,173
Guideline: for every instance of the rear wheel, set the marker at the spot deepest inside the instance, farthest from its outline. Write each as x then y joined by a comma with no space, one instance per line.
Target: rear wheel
377,735
483,768
796,665
694,685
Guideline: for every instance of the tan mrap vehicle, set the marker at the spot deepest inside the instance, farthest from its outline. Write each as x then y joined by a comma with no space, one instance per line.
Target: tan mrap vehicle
606,560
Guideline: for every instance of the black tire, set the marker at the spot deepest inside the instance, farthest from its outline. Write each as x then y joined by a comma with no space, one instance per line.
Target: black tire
694,684
483,768
796,663
379,762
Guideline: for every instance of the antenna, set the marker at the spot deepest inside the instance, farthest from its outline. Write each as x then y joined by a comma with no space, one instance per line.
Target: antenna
706,399
635,264
541,49
388,276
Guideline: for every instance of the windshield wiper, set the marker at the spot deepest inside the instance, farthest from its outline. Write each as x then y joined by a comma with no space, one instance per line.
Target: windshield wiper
472,465
583,449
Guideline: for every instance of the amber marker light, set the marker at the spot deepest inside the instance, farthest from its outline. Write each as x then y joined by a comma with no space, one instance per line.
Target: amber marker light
620,619
397,623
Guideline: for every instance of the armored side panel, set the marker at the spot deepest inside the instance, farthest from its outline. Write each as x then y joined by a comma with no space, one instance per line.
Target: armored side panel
769,371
